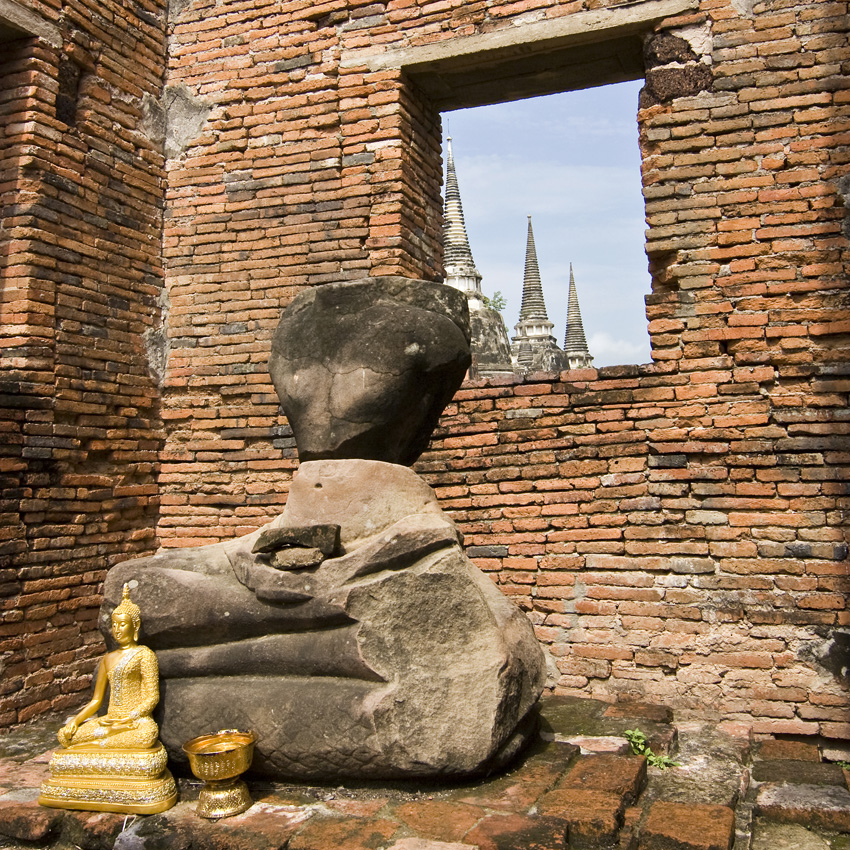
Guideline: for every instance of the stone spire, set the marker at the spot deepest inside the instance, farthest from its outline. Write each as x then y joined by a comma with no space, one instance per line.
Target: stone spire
575,344
534,330
533,306
491,351
461,272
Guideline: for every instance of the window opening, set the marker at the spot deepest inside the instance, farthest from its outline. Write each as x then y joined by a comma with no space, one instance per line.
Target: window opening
571,161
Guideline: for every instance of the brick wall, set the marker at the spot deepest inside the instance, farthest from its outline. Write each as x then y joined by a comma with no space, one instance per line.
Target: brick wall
82,205
668,537
677,530
301,174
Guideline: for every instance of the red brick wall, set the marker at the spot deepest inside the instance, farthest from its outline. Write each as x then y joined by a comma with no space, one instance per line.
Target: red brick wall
676,531
669,542
303,174
82,205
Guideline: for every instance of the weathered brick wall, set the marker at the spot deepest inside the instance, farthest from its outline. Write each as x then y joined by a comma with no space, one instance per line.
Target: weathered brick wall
746,186
676,531
82,187
297,173
667,536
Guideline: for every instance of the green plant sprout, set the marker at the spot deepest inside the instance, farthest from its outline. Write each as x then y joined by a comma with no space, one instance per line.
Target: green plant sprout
640,747
497,302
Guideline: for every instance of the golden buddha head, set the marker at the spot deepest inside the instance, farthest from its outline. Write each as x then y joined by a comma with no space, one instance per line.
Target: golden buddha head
126,616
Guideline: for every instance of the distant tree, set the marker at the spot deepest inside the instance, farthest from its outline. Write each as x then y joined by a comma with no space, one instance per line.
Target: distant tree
497,302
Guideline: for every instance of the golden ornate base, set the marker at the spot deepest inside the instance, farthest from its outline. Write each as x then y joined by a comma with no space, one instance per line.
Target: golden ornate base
102,780
223,798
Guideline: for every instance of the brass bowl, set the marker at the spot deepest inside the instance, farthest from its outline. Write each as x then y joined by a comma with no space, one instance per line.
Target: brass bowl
220,756
219,760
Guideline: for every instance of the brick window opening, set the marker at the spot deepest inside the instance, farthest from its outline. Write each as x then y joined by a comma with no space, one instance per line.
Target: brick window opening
572,162
581,55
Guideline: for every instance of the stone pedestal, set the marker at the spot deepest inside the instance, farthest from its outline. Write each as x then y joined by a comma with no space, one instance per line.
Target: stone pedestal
104,780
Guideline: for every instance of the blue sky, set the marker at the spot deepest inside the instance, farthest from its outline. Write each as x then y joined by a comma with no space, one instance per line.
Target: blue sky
571,162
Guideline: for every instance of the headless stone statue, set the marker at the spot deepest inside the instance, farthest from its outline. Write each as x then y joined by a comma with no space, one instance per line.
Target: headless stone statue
351,633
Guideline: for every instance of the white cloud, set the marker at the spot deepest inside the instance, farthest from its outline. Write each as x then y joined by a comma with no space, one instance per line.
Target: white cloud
610,351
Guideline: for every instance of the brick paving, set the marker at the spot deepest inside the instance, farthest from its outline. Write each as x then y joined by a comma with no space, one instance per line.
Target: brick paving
726,792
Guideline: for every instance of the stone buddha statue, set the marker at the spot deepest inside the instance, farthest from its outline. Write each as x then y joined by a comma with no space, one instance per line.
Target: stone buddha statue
114,762
351,633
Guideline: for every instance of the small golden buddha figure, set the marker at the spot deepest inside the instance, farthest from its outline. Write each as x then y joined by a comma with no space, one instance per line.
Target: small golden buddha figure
114,763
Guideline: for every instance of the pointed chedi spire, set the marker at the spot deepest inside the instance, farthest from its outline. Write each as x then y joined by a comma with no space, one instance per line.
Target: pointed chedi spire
575,344
533,305
491,351
460,267
525,354
534,348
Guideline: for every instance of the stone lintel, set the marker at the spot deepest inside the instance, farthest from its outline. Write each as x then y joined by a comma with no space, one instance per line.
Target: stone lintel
17,21
576,51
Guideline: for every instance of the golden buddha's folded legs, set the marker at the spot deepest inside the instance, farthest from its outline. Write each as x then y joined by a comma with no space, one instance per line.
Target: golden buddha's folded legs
142,735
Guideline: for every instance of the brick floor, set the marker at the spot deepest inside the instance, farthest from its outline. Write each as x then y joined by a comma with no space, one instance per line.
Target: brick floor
557,796
683,826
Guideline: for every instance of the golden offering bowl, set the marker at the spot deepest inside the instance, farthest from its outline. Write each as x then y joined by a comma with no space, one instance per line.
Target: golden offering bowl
219,760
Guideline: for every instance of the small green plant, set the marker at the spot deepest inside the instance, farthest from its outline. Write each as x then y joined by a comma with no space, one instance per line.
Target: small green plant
640,747
844,764
497,302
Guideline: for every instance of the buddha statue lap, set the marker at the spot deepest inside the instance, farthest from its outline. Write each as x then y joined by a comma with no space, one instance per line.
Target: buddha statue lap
114,762
351,634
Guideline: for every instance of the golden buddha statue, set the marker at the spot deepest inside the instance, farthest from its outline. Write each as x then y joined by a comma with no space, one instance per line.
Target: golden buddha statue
115,763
